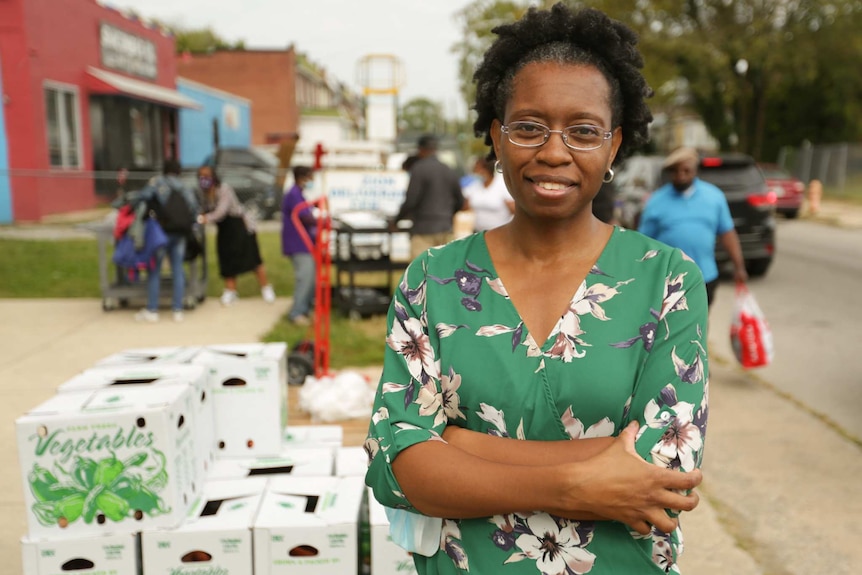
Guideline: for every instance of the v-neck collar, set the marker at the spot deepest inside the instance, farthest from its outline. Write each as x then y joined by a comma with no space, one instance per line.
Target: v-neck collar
582,287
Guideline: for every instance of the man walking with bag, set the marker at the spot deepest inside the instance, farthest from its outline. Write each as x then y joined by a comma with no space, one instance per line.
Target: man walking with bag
175,206
689,213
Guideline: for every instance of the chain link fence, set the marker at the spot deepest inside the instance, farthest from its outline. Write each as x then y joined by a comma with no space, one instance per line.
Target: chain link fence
837,166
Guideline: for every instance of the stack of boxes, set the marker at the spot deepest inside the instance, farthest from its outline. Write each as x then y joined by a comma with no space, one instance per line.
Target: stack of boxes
179,460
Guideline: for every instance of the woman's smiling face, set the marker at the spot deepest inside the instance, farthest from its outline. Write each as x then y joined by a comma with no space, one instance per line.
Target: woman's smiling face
554,180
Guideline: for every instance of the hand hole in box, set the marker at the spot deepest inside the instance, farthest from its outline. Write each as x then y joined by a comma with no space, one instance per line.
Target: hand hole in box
196,557
78,564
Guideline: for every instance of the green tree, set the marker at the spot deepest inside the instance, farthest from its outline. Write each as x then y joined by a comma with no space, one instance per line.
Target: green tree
421,115
199,41
760,74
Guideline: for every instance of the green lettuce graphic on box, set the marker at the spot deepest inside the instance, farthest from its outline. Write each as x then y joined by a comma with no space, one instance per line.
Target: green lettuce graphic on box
108,489
114,460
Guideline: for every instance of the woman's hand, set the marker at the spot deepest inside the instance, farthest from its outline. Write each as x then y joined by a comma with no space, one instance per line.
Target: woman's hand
618,484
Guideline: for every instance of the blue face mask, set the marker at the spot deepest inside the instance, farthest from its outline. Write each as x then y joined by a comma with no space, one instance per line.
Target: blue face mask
309,185
205,182
414,532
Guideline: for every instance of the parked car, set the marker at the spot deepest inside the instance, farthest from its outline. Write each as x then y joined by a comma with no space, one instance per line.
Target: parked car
252,173
789,190
751,202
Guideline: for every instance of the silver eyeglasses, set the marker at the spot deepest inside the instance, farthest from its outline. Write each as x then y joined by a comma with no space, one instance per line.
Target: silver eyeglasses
583,137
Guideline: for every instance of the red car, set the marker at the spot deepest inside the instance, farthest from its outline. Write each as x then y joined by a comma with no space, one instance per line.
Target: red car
789,190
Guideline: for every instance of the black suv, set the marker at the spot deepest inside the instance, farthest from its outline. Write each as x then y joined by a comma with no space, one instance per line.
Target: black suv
751,204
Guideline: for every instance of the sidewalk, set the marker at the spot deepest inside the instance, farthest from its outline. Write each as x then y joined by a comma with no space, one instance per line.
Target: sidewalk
781,495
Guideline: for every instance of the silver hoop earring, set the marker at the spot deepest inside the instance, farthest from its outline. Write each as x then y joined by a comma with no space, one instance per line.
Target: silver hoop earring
498,167
609,176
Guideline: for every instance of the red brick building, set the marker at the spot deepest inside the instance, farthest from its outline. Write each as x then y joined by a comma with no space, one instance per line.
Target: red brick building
265,77
86,91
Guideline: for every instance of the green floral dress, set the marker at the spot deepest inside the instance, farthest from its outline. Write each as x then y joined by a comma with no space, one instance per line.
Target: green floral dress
630,346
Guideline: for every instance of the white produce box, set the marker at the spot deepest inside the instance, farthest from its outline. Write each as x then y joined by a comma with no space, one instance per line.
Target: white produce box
115,554
312,462
351,461
249,383
308,526
154,375
330,436
111,460
150,355
216,538
387,558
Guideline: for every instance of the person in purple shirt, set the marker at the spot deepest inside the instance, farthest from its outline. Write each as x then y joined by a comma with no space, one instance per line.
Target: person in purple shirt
294,247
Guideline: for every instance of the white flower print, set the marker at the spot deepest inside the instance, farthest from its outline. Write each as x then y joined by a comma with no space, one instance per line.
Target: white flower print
450,542
495,417
682,440
430,402
556,547
649,255
688,373
408,339
497,287
575,428
450,399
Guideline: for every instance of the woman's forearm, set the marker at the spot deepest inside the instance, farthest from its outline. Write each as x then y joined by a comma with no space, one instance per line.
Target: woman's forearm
519,452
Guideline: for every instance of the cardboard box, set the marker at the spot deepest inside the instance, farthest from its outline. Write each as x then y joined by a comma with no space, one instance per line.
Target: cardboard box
351,461
331,436
157,374
295,463
249,383
112,460
150,355
387,558
216,539
115,554
308,526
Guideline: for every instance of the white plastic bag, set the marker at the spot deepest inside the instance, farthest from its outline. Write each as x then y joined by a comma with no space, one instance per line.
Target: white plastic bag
750,336
414,532
347,395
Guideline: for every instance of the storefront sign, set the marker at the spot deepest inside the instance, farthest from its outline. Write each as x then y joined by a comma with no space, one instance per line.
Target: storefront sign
128,53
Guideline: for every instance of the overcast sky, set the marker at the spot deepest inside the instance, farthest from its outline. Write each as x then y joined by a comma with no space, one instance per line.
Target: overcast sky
337,34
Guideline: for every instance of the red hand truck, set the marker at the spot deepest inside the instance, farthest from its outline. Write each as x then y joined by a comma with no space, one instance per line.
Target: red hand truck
312,357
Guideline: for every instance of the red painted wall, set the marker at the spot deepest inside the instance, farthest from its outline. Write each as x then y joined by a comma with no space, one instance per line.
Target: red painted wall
55,41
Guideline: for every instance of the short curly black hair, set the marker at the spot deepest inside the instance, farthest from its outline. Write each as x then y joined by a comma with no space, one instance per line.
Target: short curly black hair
586,36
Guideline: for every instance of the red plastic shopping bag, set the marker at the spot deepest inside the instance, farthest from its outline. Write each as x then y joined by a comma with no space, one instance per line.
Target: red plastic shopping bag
750,335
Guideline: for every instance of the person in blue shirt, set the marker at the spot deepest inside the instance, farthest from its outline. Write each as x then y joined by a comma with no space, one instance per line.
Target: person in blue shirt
689,213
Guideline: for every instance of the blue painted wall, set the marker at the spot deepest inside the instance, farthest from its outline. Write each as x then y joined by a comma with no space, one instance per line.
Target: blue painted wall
196,126
5,188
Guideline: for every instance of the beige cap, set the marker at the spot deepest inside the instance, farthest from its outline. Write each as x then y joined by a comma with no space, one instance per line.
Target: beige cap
681,155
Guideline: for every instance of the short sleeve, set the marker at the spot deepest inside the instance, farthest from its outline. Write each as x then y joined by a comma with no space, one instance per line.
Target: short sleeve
408,407
725,220
671,392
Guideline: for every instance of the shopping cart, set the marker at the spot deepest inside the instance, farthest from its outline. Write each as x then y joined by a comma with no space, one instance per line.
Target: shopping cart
312,356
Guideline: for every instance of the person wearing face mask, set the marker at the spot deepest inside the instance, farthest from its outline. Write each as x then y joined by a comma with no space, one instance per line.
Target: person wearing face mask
293,246
236,241
543,390
689,213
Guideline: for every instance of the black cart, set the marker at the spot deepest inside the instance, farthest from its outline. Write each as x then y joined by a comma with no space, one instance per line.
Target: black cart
362,246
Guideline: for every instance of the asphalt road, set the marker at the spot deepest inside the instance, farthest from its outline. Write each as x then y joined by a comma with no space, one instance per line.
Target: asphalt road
811,300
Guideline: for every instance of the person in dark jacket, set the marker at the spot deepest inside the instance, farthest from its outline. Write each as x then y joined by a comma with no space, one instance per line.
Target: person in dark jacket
433,196
159,189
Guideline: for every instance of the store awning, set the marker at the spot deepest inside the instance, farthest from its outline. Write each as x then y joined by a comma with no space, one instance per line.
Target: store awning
103,82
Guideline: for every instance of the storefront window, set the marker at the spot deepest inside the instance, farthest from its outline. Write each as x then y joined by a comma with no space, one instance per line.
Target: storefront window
61,116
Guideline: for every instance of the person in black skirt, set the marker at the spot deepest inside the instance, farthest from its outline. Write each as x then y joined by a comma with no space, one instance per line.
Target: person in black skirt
236,241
